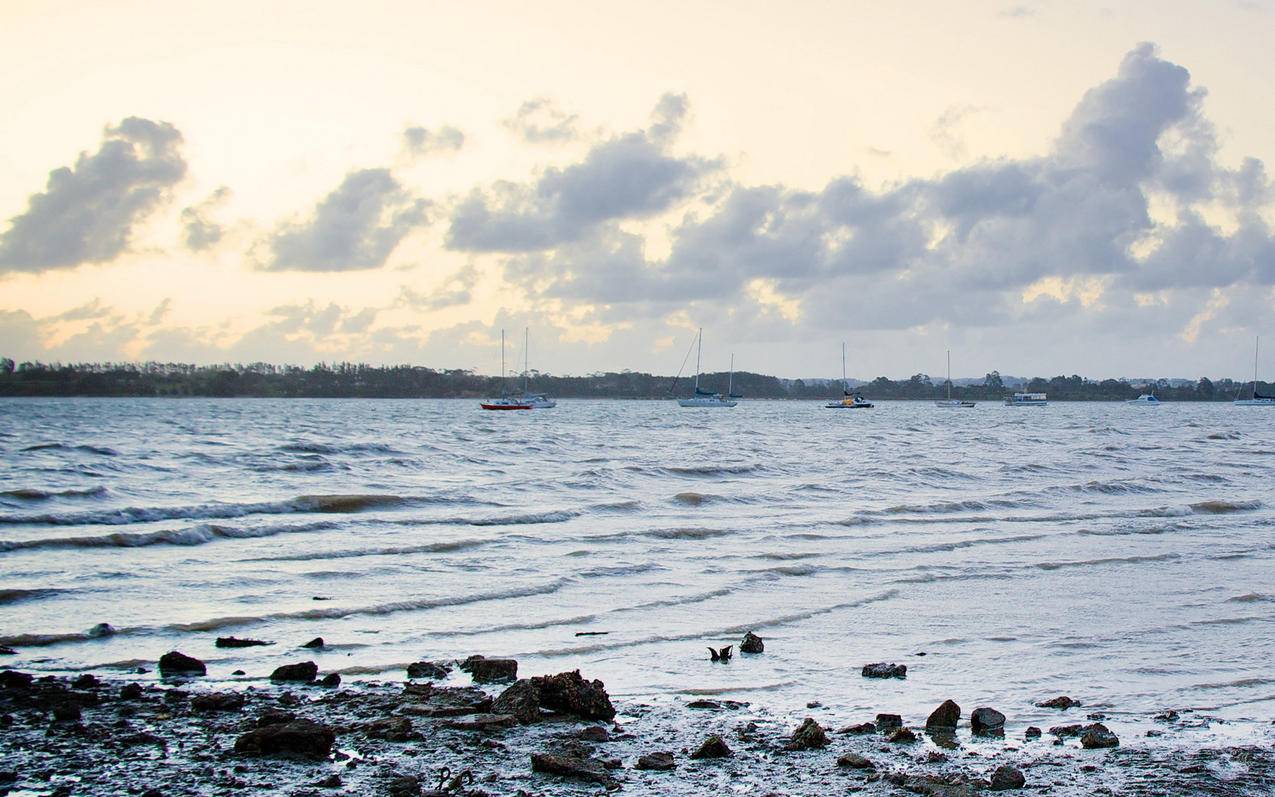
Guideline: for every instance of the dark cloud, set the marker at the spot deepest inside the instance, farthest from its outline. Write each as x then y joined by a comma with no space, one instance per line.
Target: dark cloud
357,226
540,120
88,211
422,141
199,231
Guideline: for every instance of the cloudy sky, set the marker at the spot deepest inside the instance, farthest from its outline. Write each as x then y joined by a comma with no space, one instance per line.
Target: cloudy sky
1043,187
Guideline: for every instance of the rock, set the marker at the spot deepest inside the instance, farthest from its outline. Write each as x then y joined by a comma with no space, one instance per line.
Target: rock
706,704
1167,716
887,722
1062,703
594,733
883,670
1032,732
855,761
317,642
101,631
721,655
4,651
1098,737
332,781
569,693
428,670
175,663
809,735
520,700
490,671
393,729
713,747
66,711
901,736
569,766
298,737
235,642
861,728
217,701
451,702
483,722
303,672
814,704
402,786
131,692
987,721
752,644
331,680
86,681
946,716
656,761
1066,731
275,718
1006,777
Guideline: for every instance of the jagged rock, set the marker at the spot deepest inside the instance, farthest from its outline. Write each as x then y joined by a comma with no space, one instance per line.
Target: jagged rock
901,736
855,761
331,680
1032,732
808,736
520,700
275,718
1167,716
332,781
656,761
887,722
317,642
1098,737
713,747
1006,777
569,766
304,672
949,785
176,663
947,716
987,721
885,670
1066,731
218,701
751,644
569,693
706,704
1062,703
863,727
483,722
66,711
451,702
490,671
86,681
298,737
236,642
131,692
720,655
594,733
404,786
428,669
393,729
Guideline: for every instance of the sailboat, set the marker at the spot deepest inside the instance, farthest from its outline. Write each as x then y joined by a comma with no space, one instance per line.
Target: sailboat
706,398
850,400
538,401
505,402
730,382
950,402
1255,399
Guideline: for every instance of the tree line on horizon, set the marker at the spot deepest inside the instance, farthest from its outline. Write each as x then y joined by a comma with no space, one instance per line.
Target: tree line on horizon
359,380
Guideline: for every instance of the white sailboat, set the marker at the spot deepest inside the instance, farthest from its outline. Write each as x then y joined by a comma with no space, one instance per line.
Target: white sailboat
537,401
850,400
706,398
1255,400
950,402
506,401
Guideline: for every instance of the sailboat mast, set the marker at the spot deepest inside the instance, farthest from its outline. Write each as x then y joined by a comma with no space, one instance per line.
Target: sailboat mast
502,362
949,374
526,373
1257,344
730,380
698,352
843,367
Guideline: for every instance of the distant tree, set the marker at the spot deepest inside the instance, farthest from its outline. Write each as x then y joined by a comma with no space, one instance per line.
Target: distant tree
992,383
7,365
1205,388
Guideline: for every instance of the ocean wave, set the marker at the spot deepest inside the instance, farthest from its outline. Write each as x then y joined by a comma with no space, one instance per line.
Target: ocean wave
9,596
334,504
302,447
1238,683
696,471
32,494
193,535
1219,507
447,546
82,447
1252,597
1110,560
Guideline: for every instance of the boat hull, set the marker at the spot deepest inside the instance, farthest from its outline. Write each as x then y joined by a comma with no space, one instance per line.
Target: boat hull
1254,403
954,404
707,403
505,406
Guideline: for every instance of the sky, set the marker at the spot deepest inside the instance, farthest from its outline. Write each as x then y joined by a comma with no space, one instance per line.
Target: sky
1042,187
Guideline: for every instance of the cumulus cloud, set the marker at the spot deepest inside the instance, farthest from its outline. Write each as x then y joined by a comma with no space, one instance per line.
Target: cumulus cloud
540,120
88,211
625,177
422,141
357,226
199,231
458,290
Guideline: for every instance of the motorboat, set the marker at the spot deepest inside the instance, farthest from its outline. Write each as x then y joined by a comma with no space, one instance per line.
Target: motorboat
1027,400
1145,400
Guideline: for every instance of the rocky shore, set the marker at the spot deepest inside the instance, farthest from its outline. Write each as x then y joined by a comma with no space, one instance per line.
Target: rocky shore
475,727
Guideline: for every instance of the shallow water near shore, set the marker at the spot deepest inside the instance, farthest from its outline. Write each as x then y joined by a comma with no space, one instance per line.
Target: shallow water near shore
1123,555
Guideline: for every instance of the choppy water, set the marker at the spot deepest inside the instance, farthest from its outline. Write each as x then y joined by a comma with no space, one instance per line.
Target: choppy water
1122,555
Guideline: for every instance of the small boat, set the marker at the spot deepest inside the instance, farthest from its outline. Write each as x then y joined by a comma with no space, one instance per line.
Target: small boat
537,401
707,398
1255,399
850,399
505,402
1027,400
949,402
1145,400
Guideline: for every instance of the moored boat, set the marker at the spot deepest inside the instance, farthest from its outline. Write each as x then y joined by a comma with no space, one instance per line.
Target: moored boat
1255,399
949,402
1027,400
505,401
850,399
1145,400
706,398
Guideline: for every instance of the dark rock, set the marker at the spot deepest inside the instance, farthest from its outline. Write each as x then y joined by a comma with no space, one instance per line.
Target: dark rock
809,735
568,693
428,669
569,766
490,671
814,704
855,761
887,722
1062,703
101,631
317,642
520,700
275,718
393,729
656,761
944,737
863,727
218,701
1006,778
303,672
721,655
483,722
987,721
330,680
175,663
66,711
1032,733
12,679
1098,737
238,672
947,715
235,642
332,781
901,736
298,737
707,704
1066,731
131,692
401,785
451,702
86,681
751,644
4,651
1167,716
713,747
883,670
594,733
